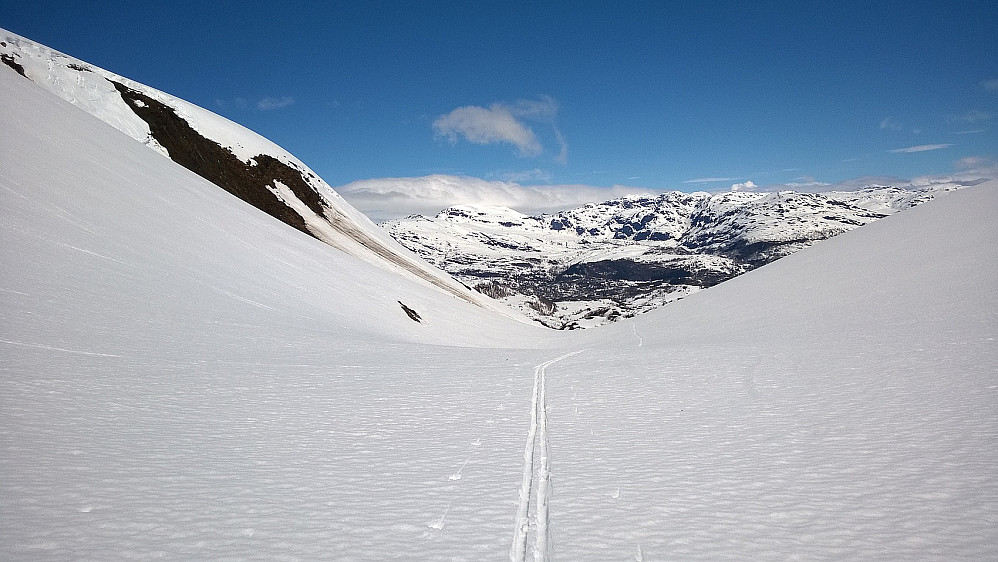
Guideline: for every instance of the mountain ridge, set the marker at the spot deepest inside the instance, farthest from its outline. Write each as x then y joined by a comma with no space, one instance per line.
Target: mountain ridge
236,159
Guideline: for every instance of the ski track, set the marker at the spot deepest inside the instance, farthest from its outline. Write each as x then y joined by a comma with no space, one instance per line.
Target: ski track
641,340
536,444
62,349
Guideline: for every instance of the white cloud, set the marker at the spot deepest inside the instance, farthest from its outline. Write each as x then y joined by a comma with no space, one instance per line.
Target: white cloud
504,123
990,85
710,180
481,125
745,186
269,103
388,198
919,148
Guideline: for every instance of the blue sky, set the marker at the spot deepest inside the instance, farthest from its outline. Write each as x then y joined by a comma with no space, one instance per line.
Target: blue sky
664,95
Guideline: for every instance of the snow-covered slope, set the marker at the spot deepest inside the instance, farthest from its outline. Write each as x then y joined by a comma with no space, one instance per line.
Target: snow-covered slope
88,209
611,260
841,403
183,377
225,153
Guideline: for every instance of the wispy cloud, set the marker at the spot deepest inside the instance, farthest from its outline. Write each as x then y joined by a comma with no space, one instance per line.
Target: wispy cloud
562,156
974,163
504,123
710,180
919,148
269,103
990,85
973,116
969,132
806,185
264,104
536,174
891,124
388,198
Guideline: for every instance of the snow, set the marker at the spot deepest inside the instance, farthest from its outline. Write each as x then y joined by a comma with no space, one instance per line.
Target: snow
183,377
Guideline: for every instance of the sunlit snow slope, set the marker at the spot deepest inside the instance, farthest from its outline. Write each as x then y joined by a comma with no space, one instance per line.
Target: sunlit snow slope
841,403
184,377
234,158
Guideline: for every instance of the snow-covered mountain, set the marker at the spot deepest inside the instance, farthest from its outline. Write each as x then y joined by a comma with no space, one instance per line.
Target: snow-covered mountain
601,262
185,377
232,157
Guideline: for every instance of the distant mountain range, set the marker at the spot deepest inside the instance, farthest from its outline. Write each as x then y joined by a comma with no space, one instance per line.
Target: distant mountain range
600,262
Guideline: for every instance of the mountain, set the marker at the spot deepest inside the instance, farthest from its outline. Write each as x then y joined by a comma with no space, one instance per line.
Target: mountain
612,260
232,157
183,376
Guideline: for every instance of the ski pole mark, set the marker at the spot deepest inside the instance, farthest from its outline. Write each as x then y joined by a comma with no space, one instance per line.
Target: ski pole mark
437,525
537,443
457,475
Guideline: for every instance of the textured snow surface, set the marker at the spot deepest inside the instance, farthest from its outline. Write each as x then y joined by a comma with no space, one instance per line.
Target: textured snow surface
184,377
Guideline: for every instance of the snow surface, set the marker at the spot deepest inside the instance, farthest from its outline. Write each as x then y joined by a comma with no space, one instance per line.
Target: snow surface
183,377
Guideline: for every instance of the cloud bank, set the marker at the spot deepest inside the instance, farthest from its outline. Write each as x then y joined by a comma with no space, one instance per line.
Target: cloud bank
388,198
504,123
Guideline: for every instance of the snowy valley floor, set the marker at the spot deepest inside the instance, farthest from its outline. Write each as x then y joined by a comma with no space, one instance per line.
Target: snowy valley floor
183,377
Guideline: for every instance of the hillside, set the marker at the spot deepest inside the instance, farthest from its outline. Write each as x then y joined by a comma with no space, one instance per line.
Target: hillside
232,157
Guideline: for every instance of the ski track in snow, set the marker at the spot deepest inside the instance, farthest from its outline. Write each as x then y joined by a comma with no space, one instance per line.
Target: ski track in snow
634,328
536,444
62,349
